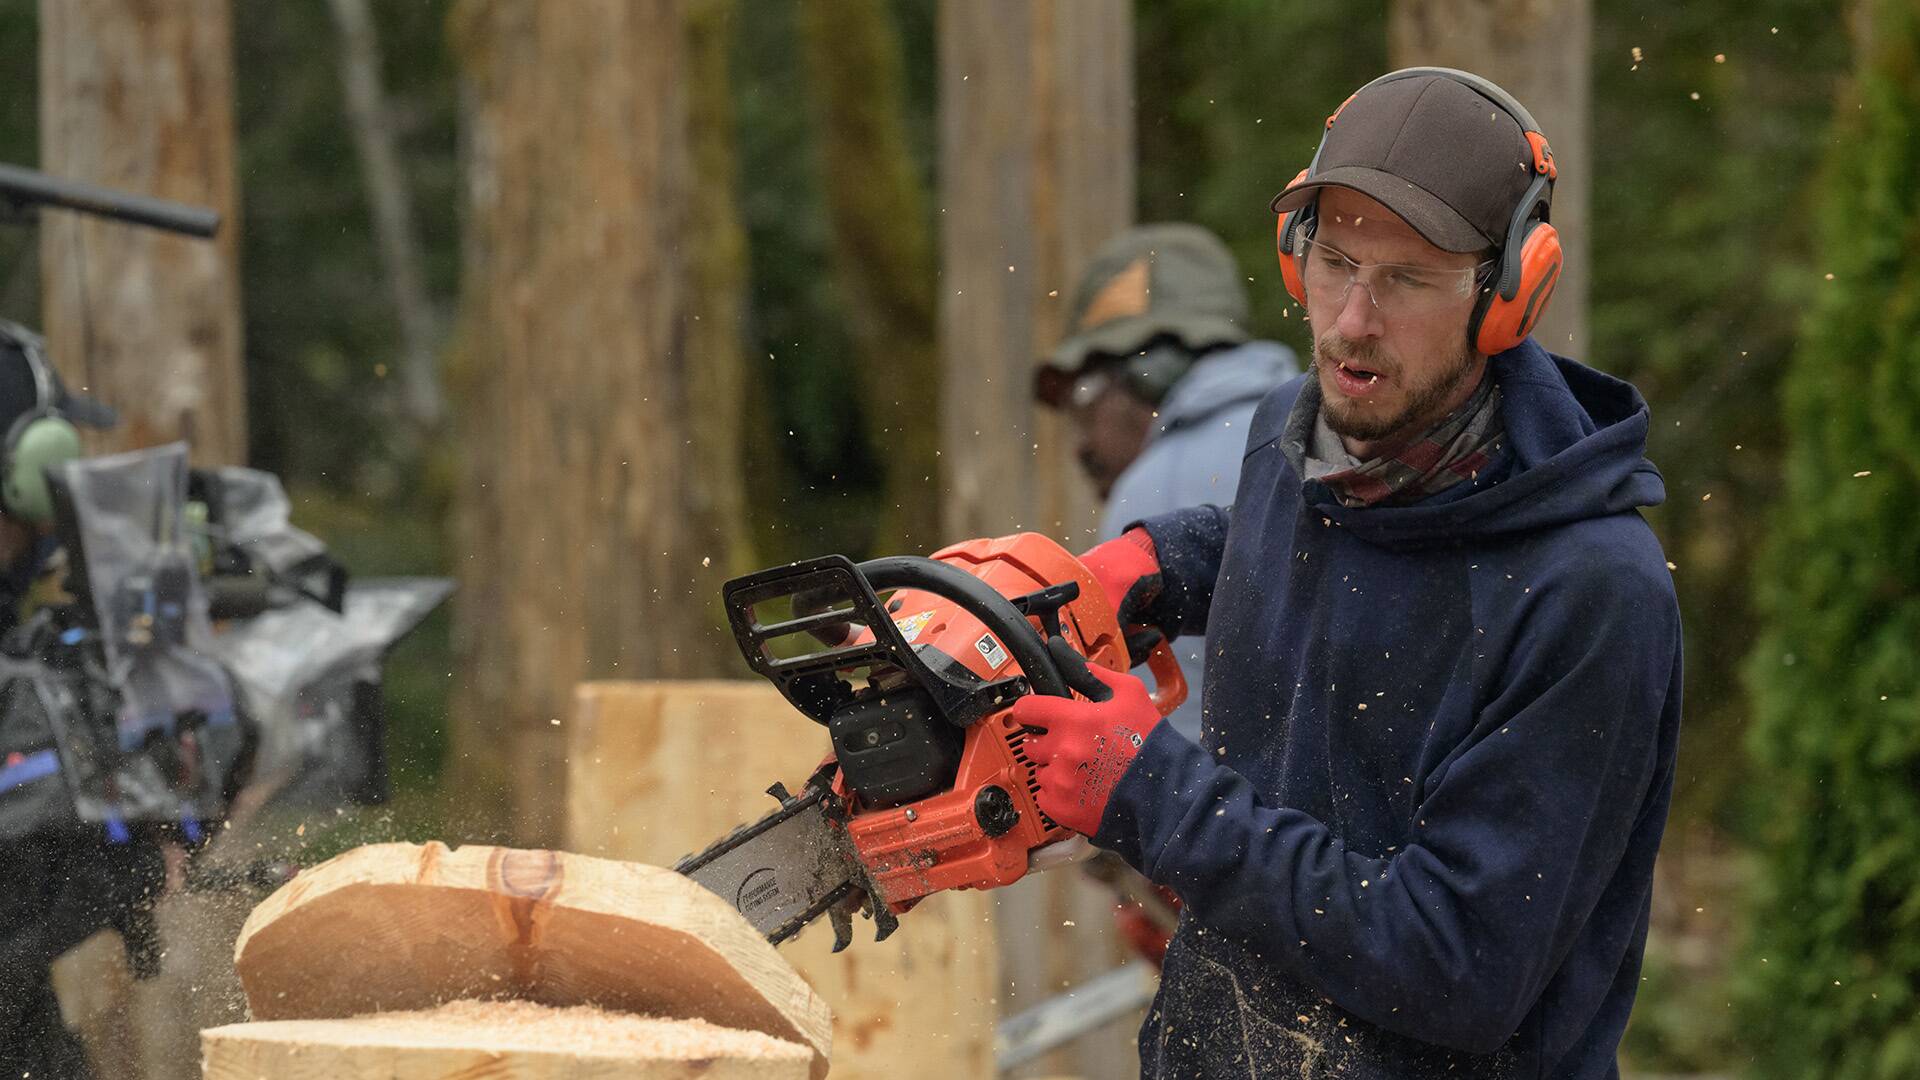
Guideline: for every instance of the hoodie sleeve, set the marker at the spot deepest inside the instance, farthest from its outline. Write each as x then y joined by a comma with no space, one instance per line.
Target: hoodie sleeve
1452,939
1189,544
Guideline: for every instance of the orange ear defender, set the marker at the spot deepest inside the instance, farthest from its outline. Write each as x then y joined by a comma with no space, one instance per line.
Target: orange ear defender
1502,320
1287,232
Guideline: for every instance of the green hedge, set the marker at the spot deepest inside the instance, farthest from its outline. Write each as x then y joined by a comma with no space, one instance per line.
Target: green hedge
1831,979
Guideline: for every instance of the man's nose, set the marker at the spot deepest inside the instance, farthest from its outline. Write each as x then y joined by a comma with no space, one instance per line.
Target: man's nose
1359,314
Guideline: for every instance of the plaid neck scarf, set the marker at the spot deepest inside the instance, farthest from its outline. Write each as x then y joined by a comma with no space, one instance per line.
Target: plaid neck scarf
1455,449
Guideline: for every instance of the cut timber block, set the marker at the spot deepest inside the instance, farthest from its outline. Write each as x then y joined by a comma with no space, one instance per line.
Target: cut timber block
499,1040
656,770
394,927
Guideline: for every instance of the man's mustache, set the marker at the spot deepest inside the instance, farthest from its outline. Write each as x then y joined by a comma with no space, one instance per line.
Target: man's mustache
1365,356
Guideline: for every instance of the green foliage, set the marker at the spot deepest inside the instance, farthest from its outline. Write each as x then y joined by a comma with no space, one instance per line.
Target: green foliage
322,339
814,481
1701,240
19,145
1832,983
1232,96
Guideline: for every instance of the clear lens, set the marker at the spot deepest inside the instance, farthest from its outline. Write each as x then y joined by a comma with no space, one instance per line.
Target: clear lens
1087,389
1395,288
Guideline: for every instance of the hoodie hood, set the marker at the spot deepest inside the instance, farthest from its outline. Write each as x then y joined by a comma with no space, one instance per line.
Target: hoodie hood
1224,378
1576,449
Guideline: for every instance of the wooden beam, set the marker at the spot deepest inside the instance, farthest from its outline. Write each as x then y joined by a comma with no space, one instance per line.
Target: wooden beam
501,1040
392,927
660,769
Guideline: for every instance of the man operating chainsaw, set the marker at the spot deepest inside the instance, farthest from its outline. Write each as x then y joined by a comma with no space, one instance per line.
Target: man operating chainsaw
1416,835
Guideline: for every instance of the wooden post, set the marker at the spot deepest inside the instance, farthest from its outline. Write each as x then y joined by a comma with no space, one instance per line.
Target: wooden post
1037,168
139,96
592,533
657,770
1541,54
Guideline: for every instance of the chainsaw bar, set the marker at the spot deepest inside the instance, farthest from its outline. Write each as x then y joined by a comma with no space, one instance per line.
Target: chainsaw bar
792,866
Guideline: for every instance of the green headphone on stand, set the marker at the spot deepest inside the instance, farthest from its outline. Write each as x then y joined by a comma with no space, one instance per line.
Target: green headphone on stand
39,439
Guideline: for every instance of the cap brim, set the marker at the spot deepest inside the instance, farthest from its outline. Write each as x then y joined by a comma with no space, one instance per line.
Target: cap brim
1121,337
1438,223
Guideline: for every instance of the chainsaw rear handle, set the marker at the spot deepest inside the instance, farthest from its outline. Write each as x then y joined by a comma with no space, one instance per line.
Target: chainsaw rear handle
981,601
1169,681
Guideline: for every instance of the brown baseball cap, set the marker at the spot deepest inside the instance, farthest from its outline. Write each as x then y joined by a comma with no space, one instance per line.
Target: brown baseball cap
1434,150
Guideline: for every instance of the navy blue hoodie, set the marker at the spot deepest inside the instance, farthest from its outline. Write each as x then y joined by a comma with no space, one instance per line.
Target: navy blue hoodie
1417,835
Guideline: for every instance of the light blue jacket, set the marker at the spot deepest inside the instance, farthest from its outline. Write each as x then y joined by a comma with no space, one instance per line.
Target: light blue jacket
1193,457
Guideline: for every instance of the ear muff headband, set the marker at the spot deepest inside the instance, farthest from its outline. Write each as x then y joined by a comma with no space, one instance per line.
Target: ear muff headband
1530,255
35,442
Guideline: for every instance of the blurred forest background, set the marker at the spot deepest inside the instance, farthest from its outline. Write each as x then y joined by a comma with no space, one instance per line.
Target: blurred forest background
1752,242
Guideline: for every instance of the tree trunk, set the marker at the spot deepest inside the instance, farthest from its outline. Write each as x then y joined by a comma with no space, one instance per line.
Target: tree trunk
139,96
1037,168
373,136
592,533
1538,51
883,253
718,366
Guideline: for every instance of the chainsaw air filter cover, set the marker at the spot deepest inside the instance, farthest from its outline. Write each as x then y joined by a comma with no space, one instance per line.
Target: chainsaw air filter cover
896,748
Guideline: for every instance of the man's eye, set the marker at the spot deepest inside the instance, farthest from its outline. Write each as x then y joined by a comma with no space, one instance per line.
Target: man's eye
1406,280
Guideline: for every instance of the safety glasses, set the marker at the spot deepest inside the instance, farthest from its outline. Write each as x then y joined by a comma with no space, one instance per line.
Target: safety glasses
1396,289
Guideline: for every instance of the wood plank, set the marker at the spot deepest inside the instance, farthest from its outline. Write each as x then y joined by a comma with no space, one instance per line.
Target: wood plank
393,927
660,769
504,1040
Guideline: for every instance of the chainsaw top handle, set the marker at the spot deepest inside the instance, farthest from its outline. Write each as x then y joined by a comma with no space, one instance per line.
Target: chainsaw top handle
838,594
983,602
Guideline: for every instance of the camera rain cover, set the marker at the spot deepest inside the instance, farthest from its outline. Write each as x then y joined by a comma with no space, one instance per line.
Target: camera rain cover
311,679
145,723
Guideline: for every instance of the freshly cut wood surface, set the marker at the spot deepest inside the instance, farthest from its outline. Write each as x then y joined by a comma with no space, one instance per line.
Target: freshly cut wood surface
500,1040
660,768
393,927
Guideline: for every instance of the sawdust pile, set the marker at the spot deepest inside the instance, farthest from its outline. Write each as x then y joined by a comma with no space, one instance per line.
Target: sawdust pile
580,1030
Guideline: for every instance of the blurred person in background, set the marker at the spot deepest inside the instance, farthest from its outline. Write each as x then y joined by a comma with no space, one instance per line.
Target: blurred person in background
60,885
1160,378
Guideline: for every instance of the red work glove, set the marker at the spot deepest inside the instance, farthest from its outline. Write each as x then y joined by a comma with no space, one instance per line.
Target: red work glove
1082,748
1128,570
1141,933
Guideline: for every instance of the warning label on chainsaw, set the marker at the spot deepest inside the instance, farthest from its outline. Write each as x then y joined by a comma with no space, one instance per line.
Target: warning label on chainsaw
991,649
911,626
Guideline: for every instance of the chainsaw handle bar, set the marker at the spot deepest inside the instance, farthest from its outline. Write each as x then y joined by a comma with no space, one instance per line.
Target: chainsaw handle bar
1169,681
983,602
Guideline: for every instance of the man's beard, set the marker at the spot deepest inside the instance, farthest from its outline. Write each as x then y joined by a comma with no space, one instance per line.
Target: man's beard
1347,420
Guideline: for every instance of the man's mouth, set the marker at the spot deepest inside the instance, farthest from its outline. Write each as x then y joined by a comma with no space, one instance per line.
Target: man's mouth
1354,380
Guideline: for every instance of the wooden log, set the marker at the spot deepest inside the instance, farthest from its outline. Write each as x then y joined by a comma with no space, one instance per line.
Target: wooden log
393,927
501,1040
660,769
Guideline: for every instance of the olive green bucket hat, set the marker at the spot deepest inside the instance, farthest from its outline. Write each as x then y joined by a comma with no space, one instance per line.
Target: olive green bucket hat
1148,282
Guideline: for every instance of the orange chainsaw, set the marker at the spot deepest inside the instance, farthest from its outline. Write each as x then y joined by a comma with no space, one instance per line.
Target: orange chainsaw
910,664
